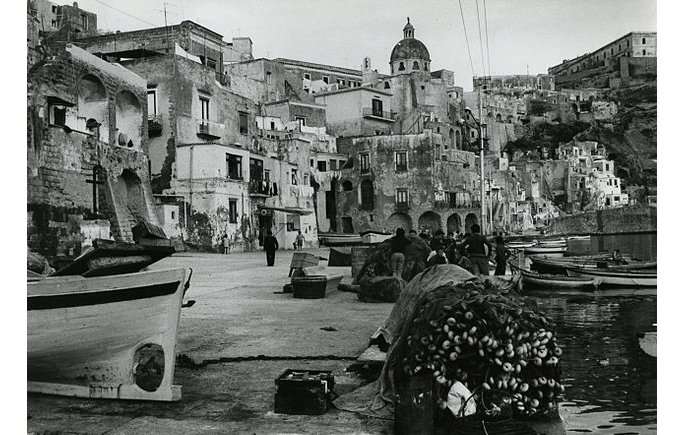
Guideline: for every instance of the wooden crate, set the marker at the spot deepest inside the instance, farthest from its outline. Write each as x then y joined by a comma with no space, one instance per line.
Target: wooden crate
301,260
303,392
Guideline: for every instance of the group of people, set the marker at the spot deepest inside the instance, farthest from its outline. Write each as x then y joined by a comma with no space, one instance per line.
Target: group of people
271,246
470,251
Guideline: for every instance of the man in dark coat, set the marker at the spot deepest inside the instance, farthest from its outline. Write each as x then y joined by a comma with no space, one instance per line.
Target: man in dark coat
478,249
270,246
500,256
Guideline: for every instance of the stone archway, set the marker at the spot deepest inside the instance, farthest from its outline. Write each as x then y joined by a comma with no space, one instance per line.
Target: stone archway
430,220
399,220
470,220
454,224
128,120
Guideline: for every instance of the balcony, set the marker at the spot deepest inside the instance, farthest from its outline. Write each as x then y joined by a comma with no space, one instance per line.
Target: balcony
209,129
377,114
154,125
259,188
402,206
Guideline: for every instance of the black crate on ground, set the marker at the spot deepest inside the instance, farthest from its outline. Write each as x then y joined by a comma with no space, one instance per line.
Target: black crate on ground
309,287
303,391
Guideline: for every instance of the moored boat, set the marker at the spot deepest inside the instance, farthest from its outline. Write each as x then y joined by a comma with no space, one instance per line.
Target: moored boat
339,239
549,281
546,249
616,278
373,237
578,238
558,265
105,337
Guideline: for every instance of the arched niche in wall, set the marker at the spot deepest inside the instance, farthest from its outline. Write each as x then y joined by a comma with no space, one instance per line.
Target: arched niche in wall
387,85
452,138
92,105
401,66
454,224
399,220
431,221
347,186
128,120
415,65
457,139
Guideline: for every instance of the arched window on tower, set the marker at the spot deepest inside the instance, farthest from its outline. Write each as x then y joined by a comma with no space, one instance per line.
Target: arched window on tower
401,66
415,65
387,85
425,66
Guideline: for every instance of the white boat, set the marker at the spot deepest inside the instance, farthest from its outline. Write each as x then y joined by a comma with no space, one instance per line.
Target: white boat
105,337
520,245
546,249
371,237
339,239
617,278
579,238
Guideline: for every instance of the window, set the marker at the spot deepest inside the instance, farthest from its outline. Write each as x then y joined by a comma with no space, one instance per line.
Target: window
301,120
643,40
628,43
401,66
402,196
173,215
415,65
54,23
204,108
401,161
619,47
333,165
364,162
234,164
54,9
326,79
232,211
256,169
643,52
347,186
267,176
269,78
294,177
272,125
293,222
151,101
244,129
377,107
307,76
57,115
387,85
322,166
367,195
341,163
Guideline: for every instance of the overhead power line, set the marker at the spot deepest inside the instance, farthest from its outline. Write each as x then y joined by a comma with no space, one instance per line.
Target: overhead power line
470,57
125,13
489,65
479,30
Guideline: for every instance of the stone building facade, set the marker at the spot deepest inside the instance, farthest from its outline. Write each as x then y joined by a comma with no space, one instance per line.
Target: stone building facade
86,119
401,181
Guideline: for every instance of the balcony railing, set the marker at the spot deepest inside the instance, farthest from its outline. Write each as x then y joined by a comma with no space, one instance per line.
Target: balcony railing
210,129
402,206
259,187
380,114
154,125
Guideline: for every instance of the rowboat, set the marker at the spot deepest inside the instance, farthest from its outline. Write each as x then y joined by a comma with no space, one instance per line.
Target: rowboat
546,249
520,245
552,242
339,239
373,237
581,238
616,278
108,337
558,265
548,281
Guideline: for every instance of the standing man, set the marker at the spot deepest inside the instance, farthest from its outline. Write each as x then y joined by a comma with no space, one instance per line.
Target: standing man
225,243
397,252
300,240
500,256
270,246
478,249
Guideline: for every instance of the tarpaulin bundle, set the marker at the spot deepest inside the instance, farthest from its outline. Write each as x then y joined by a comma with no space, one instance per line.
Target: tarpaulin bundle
416,252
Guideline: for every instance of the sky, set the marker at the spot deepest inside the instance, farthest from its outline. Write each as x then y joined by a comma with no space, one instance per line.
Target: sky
524,35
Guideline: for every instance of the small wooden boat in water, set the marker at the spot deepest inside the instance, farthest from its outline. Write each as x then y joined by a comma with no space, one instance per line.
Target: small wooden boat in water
105,337
546,249
616,278
579,238
559,265
548,281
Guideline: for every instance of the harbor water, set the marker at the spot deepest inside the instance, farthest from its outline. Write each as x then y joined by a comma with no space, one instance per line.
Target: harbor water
610,382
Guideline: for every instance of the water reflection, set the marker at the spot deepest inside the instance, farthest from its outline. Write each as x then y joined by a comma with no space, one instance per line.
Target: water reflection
610,382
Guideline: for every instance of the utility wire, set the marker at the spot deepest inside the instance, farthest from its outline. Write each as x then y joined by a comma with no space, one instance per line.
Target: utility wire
125,13
479,30
489,65
470,57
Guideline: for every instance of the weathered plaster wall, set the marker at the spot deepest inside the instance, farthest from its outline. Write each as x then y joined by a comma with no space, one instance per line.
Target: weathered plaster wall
608,221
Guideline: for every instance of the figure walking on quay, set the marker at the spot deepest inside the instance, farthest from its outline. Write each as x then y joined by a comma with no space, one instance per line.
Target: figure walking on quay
270,246
300,240
397,258
478,249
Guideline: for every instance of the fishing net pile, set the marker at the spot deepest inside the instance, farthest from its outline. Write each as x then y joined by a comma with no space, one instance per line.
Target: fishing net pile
375,277
500,347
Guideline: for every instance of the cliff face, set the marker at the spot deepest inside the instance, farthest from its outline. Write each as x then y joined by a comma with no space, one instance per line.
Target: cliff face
630,136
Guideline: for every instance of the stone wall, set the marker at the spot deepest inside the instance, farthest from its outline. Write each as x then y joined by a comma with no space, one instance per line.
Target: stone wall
631,219
60,158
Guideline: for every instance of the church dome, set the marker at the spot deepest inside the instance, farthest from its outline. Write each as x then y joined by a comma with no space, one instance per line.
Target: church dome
409,47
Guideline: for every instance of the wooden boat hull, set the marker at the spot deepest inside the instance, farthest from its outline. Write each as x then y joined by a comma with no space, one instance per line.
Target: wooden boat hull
616,278
105,337
340,240
579,238
546,250
548,281
373,238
